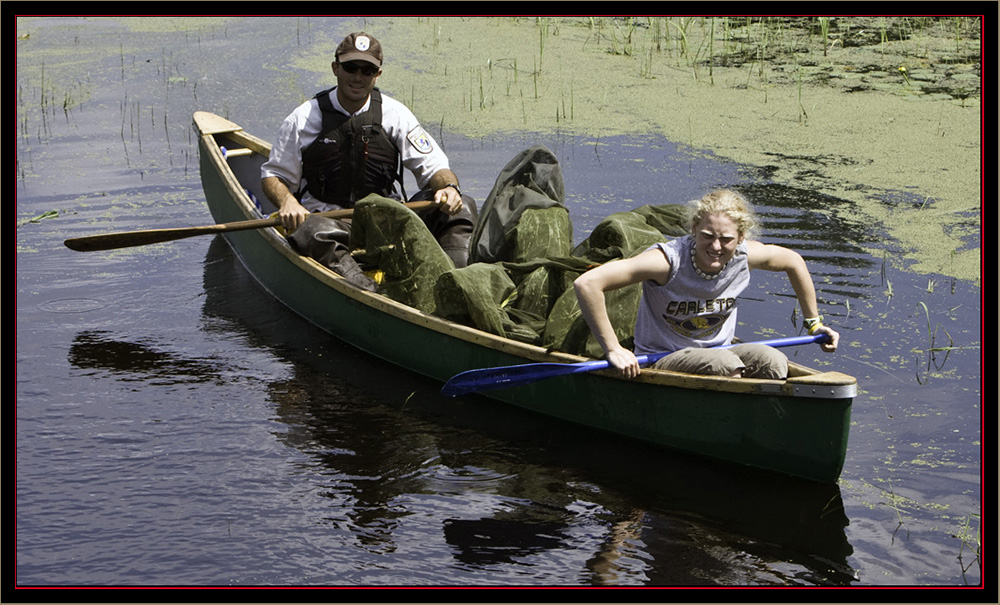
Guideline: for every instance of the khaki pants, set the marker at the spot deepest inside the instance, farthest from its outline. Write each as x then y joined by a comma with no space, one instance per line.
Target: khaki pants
748,360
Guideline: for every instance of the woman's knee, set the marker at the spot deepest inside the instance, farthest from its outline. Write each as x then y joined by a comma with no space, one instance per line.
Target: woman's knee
706,362
762,361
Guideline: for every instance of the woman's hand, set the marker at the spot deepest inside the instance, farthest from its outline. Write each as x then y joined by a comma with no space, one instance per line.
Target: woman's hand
830,346
624,361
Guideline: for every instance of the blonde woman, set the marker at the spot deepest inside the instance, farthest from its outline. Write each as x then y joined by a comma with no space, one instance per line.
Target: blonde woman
690,287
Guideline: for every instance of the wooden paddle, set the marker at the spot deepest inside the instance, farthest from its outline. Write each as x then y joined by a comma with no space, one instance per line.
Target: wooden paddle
486,379
126,239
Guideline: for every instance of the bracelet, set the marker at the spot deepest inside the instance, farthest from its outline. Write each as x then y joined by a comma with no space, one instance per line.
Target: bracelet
453,186
811,321
813,324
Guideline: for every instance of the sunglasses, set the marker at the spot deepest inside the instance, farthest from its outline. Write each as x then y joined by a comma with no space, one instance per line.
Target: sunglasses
367,69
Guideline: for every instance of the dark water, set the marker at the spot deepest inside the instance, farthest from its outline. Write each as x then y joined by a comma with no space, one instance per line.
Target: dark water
176,426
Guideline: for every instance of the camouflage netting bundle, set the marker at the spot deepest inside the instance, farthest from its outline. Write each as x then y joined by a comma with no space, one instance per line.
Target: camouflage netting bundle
532,180
395,240
519,283
474,295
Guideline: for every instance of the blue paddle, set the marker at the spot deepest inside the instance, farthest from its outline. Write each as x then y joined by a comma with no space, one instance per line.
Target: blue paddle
473,381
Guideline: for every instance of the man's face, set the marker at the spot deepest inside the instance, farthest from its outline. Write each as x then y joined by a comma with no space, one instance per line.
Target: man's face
355,81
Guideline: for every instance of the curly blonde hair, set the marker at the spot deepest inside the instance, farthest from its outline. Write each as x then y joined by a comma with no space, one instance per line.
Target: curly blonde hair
729,203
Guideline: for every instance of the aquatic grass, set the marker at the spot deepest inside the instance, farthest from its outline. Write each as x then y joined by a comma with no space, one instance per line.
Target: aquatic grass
932,334
971,540
888,295
682,37
37,219
933,349
803,116
886,282
542,31
626,41
824,28
894,501
711,54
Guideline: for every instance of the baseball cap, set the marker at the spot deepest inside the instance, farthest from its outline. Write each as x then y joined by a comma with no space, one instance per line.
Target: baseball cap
360,46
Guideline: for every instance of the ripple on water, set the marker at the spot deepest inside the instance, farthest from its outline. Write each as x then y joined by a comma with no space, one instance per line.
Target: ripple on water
72,305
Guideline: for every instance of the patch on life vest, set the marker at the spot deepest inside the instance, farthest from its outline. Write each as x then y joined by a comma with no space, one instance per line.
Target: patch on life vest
420,140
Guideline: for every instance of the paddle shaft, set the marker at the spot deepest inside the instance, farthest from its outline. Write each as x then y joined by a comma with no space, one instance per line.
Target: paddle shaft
486,379
127,239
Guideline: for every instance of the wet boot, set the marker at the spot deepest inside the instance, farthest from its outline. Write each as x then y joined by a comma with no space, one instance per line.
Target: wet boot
326,240
454,232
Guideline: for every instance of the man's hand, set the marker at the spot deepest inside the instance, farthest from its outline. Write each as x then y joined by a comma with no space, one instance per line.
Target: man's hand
450,200
292,214
446,192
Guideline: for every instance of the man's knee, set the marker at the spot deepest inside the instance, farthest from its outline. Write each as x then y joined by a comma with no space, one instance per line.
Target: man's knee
454,232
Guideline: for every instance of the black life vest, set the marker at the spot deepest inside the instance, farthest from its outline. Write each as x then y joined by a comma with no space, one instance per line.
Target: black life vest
352,157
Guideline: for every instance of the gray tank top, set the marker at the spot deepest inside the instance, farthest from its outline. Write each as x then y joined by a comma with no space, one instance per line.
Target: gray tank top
690,310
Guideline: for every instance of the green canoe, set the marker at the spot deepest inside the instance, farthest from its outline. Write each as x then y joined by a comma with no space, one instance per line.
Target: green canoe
798,426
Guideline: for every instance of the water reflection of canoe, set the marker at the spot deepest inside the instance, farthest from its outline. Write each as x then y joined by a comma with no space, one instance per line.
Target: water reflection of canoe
798,426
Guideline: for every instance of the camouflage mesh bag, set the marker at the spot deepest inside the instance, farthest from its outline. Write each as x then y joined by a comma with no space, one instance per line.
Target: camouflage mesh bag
474,296
395,240
542,233
620,235
566,330
532,179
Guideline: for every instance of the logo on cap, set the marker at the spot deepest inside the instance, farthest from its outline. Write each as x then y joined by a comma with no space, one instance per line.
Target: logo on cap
362,43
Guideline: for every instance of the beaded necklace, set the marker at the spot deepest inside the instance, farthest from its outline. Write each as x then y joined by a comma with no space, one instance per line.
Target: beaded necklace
702,273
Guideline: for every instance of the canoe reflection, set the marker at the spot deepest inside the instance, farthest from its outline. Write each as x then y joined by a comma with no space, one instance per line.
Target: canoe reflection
484,542
98,349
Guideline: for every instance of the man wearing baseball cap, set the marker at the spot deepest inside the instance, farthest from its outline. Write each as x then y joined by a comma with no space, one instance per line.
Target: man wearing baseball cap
351,141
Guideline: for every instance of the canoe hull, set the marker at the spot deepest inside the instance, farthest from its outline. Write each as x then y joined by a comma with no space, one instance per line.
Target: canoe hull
764,424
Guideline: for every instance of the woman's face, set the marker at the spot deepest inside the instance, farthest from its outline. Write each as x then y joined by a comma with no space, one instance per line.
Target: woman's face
715,239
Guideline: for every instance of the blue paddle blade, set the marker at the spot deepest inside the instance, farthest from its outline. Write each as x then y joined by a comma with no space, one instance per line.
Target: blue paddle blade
486,379
474,381
503,377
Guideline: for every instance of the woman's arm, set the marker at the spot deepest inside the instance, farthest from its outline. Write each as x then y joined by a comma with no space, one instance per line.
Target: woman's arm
777,258
591,287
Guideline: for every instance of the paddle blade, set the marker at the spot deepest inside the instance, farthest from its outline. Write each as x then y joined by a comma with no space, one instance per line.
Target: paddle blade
474,381
114,241
128,239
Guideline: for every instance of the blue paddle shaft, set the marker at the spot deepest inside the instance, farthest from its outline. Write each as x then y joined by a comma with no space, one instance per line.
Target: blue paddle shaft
486,379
